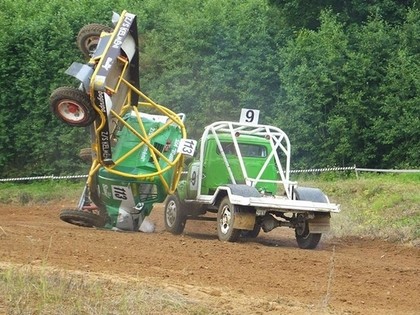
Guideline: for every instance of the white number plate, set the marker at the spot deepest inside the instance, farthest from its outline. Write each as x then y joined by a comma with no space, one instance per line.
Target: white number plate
249,116
187,146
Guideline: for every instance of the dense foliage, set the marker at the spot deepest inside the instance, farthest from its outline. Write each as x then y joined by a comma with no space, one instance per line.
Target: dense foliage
340,77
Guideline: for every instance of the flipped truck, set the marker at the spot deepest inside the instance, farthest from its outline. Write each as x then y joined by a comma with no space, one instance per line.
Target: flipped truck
136,144
241,172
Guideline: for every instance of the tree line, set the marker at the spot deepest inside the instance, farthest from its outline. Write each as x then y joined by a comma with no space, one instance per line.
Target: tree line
341,78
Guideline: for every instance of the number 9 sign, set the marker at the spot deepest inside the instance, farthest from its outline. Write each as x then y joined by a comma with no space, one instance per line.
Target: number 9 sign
249,116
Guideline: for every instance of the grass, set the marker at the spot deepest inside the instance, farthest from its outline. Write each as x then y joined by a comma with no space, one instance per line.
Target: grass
30,290
385,206
40,192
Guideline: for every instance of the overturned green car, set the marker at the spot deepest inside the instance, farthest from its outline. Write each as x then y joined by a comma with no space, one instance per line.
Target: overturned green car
136,144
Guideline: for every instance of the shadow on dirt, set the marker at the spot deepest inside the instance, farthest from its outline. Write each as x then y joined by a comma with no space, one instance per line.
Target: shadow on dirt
283,242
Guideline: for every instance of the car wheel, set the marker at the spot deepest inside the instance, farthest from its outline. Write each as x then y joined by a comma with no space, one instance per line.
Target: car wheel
81,218
88,38
305,239
86,154
225,221
72,106
175,217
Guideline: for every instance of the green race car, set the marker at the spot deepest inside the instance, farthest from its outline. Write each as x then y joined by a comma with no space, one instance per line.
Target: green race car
136,144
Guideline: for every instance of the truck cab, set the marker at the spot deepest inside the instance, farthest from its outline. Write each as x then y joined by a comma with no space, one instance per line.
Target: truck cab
253,153
241,172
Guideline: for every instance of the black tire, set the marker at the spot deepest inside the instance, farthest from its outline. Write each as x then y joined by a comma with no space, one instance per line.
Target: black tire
72,107
81,218
94,196
86,154
225,221
305,239
251,233
88,38
310,194
174,215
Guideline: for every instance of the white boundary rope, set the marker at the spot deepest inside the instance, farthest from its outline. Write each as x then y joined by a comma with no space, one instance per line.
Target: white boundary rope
385,171
311,170
328,169
52,177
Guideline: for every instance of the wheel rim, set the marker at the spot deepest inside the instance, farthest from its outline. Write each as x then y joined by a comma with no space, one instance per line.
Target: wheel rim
225,219
171,213
301,228
71,111
91,43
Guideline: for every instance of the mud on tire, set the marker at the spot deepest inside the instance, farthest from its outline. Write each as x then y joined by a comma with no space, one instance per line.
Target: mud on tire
86,154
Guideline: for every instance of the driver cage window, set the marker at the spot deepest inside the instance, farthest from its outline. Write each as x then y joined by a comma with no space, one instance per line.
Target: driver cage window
247,149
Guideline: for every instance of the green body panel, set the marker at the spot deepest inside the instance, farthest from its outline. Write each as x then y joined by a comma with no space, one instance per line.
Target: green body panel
254,151
131,194
187,186
181,190
140,161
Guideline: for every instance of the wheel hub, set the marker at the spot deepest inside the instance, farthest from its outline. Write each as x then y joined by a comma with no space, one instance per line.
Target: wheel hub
72,108
71,111
91,44
301,225
225,220
171,213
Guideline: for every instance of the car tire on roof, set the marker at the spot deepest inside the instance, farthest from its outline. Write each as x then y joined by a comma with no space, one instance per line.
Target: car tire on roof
86,154
72,106
88,38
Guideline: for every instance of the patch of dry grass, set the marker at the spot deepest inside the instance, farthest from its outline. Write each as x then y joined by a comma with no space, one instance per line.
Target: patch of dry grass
30,290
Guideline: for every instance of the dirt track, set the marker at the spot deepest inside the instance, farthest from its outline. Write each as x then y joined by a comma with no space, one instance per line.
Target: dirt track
268,275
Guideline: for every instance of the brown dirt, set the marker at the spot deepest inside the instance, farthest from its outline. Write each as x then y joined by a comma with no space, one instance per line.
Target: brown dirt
268,275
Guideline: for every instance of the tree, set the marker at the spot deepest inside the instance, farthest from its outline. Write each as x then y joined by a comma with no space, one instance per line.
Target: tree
209,59
350,97
36,47
305,14
312,80
397,125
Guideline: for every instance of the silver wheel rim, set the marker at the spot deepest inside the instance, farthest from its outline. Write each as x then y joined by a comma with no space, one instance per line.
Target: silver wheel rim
225,219
171,213
71,111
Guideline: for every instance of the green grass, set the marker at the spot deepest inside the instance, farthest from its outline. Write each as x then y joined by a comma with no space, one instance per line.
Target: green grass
40,192
385,206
